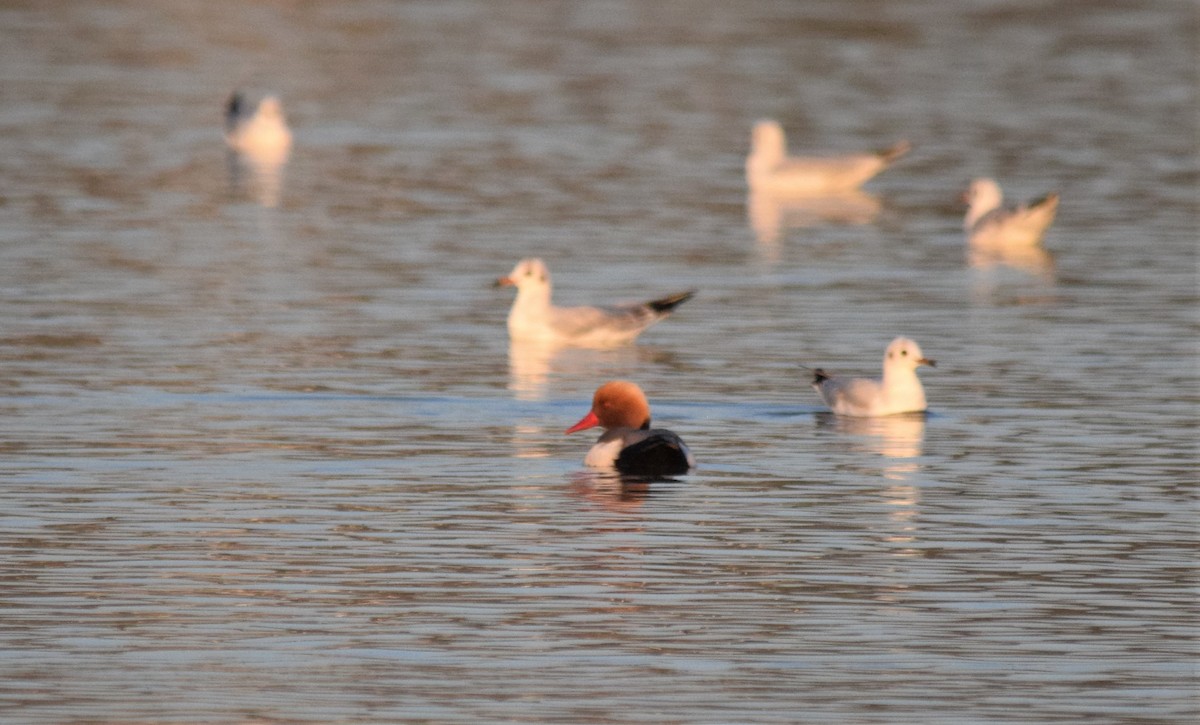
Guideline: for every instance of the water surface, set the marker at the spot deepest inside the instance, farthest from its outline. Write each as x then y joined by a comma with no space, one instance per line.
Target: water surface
267,455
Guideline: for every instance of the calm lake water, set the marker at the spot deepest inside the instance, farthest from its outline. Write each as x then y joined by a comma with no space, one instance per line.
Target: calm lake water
266,455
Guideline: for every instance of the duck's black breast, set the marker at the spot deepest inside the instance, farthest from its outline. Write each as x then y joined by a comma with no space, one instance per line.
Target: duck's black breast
655,452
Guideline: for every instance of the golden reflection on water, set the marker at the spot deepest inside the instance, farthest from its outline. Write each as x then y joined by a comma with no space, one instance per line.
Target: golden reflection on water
529,368
529,441
771,214
904,500
259,173
899,439
996,273
534,366
610,490
1035,261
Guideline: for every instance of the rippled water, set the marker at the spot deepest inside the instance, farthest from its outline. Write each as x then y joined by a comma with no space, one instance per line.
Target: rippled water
267,456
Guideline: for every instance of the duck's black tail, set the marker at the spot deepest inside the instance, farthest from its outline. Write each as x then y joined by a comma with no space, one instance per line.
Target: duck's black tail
662,455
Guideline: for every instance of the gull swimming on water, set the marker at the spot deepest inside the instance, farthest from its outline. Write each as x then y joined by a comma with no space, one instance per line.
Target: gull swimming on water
899,391
770,169
260,132
535,318
629,444
989,224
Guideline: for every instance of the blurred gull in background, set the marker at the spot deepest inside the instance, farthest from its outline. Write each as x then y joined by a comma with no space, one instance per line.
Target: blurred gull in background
535,318
990,225
260,143
769,168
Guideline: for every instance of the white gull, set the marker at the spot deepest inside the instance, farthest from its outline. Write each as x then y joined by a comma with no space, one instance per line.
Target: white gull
899,391
990,225
260,132
535,318
769,168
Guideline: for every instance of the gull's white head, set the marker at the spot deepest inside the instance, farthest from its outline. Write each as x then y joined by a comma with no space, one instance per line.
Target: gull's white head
902,355
270,107
528,276
982,196
767,142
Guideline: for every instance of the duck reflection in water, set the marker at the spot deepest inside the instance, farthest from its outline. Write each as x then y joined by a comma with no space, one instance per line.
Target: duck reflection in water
616,491
260,144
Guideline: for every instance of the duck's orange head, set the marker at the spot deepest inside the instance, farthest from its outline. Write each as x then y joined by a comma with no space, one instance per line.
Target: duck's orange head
616,404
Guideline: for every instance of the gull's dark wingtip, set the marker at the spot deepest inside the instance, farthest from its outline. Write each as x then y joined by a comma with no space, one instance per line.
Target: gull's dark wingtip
895,151
670,302
1049,200
233,107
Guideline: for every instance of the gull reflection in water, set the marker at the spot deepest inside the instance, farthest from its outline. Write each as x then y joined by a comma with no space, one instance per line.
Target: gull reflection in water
534,366
995,271
1034,261
899,437
531,365
260,173
900,440
529,440
771,213
259,143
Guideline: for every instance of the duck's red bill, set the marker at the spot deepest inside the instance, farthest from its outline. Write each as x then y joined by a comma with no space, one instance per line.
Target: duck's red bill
588,421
